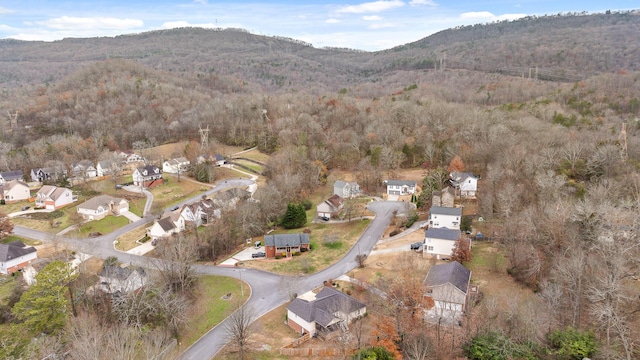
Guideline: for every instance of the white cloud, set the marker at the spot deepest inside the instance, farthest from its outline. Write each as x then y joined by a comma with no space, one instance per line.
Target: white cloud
422,2
86,23
183,24
203,2
371,7
332,21
487,16
5,11
372,18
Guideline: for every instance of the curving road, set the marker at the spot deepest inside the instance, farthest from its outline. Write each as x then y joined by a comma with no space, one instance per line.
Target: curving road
268,290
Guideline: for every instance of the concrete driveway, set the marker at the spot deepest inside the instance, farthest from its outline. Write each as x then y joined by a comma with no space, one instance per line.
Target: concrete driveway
244,255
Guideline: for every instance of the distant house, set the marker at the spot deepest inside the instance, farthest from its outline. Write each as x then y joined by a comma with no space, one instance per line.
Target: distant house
117,279
14,191
326,311
171,224
53,197
346,190
443,198
106,167
228,199
52,173
175,166
147,176
465,183
448,286
445,217
100,206
129,157
7,176
84,169
330,207
15,256
220,160
440,242
200,212
286,245
400,187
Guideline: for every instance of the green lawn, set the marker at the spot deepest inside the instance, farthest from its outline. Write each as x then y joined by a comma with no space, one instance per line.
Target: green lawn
12,238
253,166
104,226
210,309
173,191
7,282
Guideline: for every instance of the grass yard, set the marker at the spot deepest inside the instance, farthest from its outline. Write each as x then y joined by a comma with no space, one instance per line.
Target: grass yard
322,253
127,241
210,308
51,222
256,155
172,191
253,166
7,283
104,226
29,242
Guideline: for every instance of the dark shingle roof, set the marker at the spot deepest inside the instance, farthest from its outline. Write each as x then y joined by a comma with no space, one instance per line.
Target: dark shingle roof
327,302
12,175
283,240
442,233
452,273
441,210
117,272
400,182
14,250
166,223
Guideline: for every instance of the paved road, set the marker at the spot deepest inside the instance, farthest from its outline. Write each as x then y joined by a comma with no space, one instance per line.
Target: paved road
268,290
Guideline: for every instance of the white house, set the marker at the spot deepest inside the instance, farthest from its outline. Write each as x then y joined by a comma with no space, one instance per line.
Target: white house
15,256
175,166
326,311
171,224
440,242
122,279
448,286
346,189
200,212
84,169
53,197
445,217
128,157
400,187
100,206
147,176
465,183
14,191
330,207
105,167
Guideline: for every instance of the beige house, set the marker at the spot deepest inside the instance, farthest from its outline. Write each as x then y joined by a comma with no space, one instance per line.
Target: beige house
167,226
330,207
14,191
448,286
53,197
100,206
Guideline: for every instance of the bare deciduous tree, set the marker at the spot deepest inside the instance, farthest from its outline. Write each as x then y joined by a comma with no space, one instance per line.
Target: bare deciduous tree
238,328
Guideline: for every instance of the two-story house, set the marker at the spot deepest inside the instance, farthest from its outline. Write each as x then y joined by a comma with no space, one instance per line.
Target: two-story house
14,191
447,217
147,176
400,187
53,197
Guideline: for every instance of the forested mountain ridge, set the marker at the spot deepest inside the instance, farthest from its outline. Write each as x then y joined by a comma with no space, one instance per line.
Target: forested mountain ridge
560,47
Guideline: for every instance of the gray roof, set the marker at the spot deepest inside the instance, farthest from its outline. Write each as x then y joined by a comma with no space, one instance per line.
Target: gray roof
12,175
14,250
327,302
452,273
284,240
441,210
100,200
117,272
166,223
400,182
442,233
339,183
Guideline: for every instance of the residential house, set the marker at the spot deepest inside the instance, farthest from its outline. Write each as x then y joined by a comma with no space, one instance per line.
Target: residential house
285,245
330,207
220,160
84,169
53,197
465,183
106,167
400,187
323,312
200,212
52,173
117,279
170,224
346,189
14,191
229,199
7,176
440,242
129,157
147,176
448,286
15,255
100,206
176,166
444,197
445,217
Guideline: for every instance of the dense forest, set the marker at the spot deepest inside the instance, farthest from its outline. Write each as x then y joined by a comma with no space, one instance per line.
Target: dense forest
545,109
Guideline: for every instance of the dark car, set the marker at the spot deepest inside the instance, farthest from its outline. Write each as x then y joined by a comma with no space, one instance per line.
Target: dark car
174,208
416,245
325,218
259,254
25,208
154,242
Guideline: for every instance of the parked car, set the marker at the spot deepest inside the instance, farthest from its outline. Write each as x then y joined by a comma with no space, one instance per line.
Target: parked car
174,208
416,245
259,254
325,218
119,186
154,242
25,208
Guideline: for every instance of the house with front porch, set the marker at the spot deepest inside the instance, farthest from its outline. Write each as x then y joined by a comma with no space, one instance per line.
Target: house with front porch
323,312
14,191
448,286
54,197
400,187
285,245
100,206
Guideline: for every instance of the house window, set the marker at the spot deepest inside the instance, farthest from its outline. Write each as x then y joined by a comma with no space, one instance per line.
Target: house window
429,248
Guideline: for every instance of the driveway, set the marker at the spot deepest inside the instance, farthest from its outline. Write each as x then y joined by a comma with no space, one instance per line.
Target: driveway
243,255
131,216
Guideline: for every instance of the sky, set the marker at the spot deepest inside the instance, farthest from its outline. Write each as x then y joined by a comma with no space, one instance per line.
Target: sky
363,25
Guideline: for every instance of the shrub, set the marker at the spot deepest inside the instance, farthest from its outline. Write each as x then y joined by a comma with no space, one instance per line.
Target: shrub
497,346
307,204
570,344
395,232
